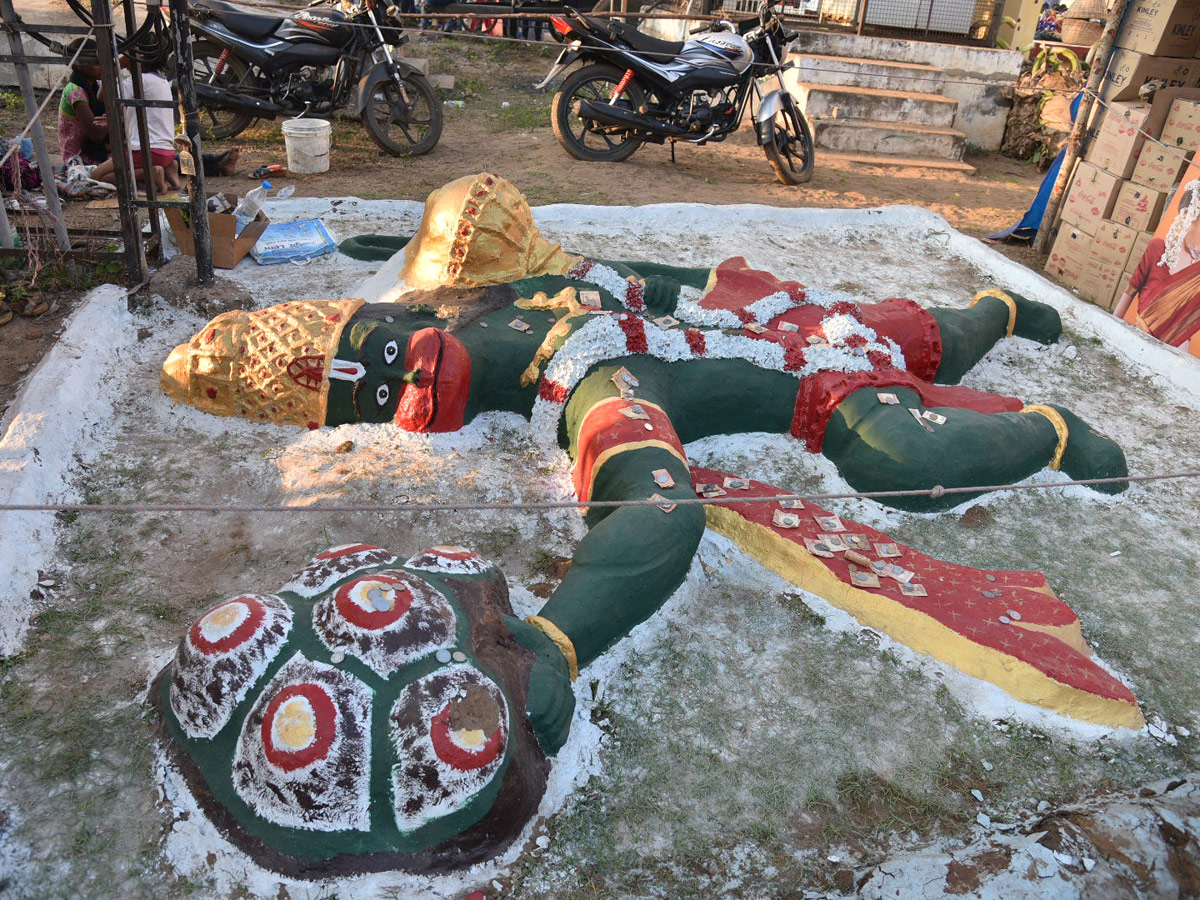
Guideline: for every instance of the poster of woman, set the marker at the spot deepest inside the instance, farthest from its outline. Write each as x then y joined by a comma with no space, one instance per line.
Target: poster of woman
1163,295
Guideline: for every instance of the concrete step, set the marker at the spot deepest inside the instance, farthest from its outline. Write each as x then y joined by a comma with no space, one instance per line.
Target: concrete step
891,161
867,73
899,138
839,101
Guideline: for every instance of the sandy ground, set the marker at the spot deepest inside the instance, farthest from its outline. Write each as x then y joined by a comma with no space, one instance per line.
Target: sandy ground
749,741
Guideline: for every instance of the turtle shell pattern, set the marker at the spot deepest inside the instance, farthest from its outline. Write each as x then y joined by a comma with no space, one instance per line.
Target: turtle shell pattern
347,723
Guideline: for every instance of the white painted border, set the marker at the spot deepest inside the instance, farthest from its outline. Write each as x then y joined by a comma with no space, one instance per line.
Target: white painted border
59,419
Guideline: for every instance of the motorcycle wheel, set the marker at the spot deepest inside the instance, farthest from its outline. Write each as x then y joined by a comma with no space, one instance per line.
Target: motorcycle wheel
580,137
217,123
790,149
407,124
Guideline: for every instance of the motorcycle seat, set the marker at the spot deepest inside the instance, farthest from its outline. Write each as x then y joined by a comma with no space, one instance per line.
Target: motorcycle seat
658,49
239,20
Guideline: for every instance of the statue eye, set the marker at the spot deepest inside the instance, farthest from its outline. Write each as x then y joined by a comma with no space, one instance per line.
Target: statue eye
390,351
382,393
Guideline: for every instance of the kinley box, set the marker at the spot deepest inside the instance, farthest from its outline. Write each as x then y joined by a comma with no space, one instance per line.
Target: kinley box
1128,70
1161,27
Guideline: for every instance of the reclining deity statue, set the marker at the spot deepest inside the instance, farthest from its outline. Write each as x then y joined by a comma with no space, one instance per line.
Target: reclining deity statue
374,714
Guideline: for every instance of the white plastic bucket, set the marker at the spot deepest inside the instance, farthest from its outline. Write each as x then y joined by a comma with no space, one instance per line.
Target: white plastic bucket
307,142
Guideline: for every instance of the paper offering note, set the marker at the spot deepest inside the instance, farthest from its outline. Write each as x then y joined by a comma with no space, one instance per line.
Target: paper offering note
829,523
817,548
857,542
864,579
785,519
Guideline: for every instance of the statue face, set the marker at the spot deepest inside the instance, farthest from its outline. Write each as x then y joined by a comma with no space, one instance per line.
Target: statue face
370,713
400,369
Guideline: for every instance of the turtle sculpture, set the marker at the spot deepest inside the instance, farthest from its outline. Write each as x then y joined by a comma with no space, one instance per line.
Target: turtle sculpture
622,364
369,715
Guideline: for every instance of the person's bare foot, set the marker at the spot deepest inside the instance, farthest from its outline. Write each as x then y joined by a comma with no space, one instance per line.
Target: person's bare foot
228,162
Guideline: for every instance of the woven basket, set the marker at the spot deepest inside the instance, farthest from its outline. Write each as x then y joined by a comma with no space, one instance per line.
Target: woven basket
1081,32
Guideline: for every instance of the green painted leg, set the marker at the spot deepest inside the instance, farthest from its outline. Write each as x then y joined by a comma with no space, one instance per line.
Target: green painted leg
967,334
632,558
879,447
1091,454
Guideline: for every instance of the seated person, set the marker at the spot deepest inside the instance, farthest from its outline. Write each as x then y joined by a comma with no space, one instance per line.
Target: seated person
82,123
160,127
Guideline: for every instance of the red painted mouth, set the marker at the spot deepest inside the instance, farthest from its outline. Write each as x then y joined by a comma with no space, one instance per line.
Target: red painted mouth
438,403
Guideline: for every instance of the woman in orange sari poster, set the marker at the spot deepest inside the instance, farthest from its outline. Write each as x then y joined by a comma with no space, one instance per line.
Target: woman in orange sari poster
1167,280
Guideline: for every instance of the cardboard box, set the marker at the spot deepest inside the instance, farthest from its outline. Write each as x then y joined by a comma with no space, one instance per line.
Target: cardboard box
1101,284
1112,244
1140,243
1138,206
1161,27
1069,253
227,250
1158,166
1129,70
1090,198
1182,128
1120,134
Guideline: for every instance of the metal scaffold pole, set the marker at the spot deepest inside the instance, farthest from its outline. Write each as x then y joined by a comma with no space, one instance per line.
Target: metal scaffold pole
53,207
131,235
191,126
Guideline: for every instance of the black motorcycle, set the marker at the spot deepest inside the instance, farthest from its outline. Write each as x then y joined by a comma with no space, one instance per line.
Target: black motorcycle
637,89
314,62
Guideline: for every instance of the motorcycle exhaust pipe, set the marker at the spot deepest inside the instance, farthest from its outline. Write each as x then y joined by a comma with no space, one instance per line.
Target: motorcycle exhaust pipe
219,97
606,114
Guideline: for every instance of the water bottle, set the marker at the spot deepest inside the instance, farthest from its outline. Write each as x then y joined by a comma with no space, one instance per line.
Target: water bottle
249,206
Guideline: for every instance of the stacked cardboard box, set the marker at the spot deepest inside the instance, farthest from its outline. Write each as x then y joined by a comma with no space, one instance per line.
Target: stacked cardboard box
1120,188
1157,42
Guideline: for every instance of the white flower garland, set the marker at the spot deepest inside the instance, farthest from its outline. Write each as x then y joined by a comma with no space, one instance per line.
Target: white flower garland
608,278
603,338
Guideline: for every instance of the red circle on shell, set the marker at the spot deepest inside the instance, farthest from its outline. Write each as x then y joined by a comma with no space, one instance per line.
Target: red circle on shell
236,638
325,714
373,619
459,555
458,757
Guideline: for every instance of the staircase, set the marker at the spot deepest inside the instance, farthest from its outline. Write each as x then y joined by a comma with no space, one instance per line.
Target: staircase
892,102
889,113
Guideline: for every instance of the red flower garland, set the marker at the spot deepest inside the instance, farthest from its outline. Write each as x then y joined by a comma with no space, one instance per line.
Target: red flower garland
696,342
552,391
635,296
879,359
793,357
635,333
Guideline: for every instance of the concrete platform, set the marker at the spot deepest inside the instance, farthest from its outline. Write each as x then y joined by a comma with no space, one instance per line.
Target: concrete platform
903,138
880,74
847,102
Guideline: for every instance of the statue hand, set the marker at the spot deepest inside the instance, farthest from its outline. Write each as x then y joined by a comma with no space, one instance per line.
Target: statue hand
662,294
551,701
